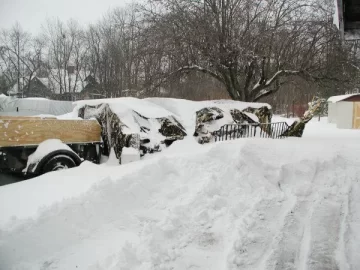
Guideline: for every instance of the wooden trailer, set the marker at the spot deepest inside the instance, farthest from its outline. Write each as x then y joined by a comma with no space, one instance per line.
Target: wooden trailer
21,136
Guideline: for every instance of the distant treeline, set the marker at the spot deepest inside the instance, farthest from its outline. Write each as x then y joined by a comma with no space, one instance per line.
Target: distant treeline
279,51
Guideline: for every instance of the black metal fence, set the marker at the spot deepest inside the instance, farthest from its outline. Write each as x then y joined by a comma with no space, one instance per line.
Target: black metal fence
236,131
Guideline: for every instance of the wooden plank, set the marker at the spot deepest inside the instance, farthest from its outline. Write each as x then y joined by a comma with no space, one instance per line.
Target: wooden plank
356,115
24,117
17,132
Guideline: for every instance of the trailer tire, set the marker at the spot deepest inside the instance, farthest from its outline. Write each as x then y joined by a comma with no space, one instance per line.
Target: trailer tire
58,162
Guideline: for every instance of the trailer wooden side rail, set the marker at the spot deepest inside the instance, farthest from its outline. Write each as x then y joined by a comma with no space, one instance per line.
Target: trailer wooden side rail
18,131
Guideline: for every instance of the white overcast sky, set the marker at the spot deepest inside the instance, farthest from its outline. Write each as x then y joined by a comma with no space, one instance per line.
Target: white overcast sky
32,13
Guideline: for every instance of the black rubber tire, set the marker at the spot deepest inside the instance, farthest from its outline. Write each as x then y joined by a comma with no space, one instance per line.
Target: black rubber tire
58,162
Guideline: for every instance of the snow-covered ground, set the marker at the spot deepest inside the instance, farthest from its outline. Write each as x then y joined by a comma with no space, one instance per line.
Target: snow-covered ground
245,204
11,106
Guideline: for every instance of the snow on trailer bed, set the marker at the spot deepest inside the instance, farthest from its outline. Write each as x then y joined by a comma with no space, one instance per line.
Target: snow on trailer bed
246,204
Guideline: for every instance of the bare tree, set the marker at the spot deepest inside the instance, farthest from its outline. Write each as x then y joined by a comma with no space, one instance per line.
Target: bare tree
66,54
280,51
249,46
21,56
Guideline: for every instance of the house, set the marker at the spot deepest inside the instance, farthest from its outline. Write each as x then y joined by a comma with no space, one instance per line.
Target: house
92,89
29,87
344,111
347,18
58,84
66,84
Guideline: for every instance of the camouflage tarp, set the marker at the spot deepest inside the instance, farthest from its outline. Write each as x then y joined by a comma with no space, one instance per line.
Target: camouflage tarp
263,113
298,127
116,134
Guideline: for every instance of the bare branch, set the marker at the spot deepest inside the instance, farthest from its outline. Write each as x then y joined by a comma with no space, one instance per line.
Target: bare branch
199,69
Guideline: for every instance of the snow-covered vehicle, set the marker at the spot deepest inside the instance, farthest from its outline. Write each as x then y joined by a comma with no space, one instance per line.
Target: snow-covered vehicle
34,146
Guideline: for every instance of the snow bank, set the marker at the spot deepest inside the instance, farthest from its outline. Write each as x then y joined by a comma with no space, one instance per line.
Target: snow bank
129,154
33,106
245,204
325,131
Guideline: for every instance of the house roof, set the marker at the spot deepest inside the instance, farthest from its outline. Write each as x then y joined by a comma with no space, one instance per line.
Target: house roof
14,89
74,83
335,99
56,80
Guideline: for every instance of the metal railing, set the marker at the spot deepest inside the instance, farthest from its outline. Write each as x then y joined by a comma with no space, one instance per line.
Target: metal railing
236,131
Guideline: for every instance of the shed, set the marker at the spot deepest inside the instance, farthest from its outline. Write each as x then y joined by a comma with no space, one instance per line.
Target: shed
344,111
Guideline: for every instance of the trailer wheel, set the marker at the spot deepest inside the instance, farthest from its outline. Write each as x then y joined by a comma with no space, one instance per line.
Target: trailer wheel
57,163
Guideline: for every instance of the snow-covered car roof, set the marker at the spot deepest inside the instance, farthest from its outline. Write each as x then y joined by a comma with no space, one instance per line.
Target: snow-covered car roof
121,106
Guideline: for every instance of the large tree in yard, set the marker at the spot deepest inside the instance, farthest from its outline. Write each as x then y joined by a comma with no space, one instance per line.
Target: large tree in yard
251,46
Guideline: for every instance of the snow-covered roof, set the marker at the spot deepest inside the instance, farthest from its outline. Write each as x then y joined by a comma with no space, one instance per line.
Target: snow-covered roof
335,99
57,79
3,97
14,89
45,81
336,14
60,79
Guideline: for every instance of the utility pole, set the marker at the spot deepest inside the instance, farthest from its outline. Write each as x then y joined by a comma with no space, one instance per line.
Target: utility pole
18,62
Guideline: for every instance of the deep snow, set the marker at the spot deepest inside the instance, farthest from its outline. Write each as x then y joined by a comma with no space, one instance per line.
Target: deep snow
10,106
245,204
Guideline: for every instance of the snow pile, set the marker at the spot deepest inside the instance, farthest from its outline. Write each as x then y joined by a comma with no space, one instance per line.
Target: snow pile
246,204
129,154
325,131
3,98
33,106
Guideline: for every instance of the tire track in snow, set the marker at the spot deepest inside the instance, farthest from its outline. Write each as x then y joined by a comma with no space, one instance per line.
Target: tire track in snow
295,246
256,231
318,210
328,220
351,236
294,232
291,243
